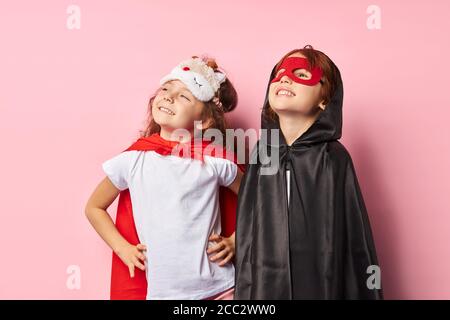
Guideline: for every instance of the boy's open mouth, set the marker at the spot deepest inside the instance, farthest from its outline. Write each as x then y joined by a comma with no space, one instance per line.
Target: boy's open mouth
284,92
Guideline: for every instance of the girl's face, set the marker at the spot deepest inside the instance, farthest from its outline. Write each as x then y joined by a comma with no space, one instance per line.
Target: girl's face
174,107
287,96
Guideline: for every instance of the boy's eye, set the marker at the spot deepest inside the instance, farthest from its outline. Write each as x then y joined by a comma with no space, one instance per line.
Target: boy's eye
186,98
163,89
303,74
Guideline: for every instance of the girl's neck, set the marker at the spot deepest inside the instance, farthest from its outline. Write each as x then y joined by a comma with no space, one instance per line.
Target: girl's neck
166,134
293,127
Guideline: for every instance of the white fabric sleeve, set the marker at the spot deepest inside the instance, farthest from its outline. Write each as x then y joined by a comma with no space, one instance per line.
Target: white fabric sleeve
118,169
226,170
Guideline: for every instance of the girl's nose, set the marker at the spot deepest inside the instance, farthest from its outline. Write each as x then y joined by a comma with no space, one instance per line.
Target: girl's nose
168,98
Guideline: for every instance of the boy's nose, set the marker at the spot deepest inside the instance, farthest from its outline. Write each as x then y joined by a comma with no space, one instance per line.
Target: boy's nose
286,79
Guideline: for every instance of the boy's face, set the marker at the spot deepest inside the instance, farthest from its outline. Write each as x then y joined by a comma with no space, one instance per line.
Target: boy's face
174,106
287,95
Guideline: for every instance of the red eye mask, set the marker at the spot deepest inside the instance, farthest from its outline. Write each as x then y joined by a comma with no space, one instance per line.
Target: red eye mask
293,63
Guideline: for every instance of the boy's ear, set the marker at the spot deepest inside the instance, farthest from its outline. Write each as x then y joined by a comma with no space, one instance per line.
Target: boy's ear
322,105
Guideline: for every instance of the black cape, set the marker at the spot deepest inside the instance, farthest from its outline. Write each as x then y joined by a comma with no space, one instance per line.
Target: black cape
320,245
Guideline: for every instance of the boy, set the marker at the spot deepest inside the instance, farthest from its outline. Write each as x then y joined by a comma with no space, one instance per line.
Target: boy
303,232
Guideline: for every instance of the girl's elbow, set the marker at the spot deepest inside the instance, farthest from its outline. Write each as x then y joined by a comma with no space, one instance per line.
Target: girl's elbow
88,210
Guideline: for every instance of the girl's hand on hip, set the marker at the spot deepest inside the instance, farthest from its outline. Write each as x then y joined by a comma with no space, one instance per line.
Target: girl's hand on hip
132,256
224,249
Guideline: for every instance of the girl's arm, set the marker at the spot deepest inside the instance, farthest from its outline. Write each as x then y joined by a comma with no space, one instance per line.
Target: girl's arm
237,182
225,247
95,211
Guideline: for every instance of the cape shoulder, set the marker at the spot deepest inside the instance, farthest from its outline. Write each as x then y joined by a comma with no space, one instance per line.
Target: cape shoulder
338,152
339,155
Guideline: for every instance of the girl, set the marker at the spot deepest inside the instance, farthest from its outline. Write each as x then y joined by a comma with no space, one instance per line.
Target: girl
303,232
172,184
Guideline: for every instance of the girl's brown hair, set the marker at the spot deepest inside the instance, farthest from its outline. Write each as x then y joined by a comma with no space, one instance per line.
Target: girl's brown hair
329,77
226,94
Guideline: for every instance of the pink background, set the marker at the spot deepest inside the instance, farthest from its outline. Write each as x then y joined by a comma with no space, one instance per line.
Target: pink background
70,99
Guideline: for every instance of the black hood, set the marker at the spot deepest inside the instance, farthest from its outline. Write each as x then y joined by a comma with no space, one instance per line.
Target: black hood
328,125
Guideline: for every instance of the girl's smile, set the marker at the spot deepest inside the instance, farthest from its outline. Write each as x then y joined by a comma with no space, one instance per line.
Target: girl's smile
167,110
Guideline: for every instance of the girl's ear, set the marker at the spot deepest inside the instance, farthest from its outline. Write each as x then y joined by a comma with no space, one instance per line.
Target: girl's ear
204,124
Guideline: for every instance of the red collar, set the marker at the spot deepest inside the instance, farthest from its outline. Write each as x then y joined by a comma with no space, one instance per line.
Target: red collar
194,149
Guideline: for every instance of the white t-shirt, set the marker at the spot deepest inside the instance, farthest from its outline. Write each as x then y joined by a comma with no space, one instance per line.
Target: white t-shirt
176,208
288,184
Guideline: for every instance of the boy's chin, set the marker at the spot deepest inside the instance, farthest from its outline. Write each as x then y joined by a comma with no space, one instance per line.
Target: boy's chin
284,110
292,111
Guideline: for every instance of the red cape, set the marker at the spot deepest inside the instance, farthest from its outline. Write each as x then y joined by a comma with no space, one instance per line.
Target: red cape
123,287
